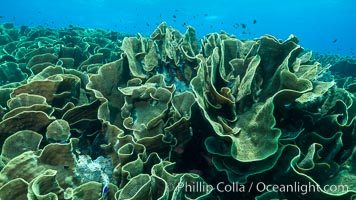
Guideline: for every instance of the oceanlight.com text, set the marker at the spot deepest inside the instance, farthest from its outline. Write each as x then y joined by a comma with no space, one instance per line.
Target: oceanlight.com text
296,187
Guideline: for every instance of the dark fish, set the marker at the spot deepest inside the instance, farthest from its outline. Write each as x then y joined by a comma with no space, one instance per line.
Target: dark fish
243,32
335,41
184,24
205,15
2,17
176,10
254,21
174,16
147,24
243,25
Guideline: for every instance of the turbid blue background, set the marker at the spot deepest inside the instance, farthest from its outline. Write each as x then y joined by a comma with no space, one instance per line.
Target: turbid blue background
326,26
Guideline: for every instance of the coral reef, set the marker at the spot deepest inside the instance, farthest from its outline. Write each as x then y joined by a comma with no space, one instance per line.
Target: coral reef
94,114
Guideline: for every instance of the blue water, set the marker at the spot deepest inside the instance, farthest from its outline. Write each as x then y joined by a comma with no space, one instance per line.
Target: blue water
325,26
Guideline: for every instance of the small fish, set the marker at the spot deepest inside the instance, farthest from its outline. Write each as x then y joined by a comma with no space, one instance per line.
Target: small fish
184,24
104,192
147,24
105,189
335,41
176,10
254,21
174,16
2,17
243,25
205,15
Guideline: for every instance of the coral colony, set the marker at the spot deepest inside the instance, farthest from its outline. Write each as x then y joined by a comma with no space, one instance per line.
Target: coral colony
94,114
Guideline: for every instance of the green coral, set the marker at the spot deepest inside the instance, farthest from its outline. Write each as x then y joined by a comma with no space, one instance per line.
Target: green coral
231,93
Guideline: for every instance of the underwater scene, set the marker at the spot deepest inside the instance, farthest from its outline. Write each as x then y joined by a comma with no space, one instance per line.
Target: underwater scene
177,100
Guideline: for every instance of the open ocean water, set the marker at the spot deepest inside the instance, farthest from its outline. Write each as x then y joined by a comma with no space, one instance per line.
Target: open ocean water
177,100
325,26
